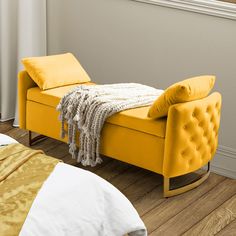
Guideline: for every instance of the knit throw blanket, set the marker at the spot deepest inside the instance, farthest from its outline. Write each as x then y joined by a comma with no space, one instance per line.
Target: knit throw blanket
86,108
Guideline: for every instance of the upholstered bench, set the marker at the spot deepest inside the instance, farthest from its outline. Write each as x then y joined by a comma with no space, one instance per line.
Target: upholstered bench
175,145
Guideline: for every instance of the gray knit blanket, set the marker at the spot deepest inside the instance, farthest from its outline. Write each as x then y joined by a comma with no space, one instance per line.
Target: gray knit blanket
86,108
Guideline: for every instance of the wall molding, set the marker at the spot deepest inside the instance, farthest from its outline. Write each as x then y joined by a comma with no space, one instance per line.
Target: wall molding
227,151
224,162
209,7
4,120
225,172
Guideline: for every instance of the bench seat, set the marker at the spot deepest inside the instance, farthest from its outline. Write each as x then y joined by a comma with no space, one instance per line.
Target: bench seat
135,119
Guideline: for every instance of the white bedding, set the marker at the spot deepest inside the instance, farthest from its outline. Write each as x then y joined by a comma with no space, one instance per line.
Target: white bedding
5,140
73,201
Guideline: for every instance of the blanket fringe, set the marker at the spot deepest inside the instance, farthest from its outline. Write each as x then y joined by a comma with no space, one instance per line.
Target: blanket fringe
86,108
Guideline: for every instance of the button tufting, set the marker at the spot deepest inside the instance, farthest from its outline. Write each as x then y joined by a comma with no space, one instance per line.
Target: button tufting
197,144
208,109
190,162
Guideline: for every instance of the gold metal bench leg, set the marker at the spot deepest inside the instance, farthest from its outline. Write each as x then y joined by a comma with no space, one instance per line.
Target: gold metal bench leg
35,139
173,192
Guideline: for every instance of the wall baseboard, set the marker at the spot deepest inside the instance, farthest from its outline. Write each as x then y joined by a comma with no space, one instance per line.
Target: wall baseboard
7,119
224,162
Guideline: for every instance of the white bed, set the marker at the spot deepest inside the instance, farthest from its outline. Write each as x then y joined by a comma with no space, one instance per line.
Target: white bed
73,201
5,140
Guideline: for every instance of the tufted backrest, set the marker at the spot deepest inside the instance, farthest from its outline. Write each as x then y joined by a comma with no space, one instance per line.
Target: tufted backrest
191,135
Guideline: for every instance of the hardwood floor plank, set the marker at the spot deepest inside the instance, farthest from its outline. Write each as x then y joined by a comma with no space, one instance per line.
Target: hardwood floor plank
216,220
105,161
229,230
17,134
150,201
170,207
46,144
112,169
58,151
69,160
143,186
6,126
155,197
200,208
127,178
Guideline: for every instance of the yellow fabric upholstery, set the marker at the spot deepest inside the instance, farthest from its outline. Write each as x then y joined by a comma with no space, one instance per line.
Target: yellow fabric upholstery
55,71
128,145
50,97
184,91
24,83
134,118
172,146
192,135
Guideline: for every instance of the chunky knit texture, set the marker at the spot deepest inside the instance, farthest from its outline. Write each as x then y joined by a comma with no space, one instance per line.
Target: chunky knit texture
86,108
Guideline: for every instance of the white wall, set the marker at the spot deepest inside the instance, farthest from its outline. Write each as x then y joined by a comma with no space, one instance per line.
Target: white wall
123,40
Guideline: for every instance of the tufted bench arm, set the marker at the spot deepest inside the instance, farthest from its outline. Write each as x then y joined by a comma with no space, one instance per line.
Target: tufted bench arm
191,135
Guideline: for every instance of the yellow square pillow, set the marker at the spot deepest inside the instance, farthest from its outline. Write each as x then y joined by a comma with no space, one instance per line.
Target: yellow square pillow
55,71
184,91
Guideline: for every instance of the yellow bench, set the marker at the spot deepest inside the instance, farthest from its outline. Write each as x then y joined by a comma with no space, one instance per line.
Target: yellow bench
181,143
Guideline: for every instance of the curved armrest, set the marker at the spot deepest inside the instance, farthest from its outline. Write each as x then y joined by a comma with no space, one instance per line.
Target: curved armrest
191,135
24,83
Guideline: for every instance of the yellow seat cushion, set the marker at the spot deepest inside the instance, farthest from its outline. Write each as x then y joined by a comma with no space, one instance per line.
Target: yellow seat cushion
183,91
135,119
55,71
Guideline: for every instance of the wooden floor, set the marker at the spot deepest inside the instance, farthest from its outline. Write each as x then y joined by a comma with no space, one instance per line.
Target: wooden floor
209,209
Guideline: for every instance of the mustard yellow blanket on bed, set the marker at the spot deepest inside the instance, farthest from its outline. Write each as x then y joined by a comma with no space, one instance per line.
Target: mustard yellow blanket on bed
22,173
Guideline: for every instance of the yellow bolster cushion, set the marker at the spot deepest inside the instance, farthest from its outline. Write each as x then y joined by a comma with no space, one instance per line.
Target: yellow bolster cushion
55,71
184,91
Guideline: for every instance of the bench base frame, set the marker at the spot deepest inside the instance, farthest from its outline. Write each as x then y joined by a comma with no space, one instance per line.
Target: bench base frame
32,140
168,192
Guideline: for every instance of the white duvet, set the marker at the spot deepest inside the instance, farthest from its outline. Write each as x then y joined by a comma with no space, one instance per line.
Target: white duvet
73,201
